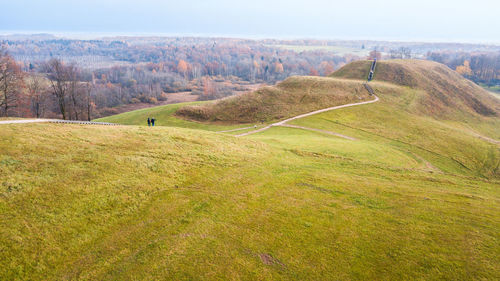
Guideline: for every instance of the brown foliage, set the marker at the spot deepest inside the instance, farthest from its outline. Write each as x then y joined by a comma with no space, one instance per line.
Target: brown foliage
11,83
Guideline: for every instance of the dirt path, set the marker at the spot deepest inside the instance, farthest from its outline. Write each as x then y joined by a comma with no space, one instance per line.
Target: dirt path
24,121
237,129
282,123
490,140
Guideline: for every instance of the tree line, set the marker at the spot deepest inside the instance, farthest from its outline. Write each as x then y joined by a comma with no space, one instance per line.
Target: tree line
58,90
189,57
58,78
479,67
85,79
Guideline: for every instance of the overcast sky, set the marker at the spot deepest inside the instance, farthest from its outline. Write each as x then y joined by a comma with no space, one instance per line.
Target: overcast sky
433,20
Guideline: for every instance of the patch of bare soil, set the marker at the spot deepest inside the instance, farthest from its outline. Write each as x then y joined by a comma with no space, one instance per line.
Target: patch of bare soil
267,259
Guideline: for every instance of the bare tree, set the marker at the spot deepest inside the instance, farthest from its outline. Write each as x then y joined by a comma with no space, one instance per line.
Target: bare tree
37,93
11,82
89,98
63,83
74,89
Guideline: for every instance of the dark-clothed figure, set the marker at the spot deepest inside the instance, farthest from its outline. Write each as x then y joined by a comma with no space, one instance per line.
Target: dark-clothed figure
149,122
153,122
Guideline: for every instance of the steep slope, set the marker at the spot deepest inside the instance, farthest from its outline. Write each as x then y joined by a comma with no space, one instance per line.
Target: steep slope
445,93
295,95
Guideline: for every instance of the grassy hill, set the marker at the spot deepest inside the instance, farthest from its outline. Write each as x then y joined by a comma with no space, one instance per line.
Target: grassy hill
291,97
414,196
445,93
409,112
437,92
165,116
165,203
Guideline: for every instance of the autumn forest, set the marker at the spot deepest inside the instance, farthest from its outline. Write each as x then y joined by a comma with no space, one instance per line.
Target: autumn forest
46,76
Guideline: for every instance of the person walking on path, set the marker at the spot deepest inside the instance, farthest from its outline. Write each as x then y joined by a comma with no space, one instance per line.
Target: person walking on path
149,122
153,122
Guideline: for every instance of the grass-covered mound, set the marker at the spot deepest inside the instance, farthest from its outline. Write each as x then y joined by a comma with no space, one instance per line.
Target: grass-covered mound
294,96
444,94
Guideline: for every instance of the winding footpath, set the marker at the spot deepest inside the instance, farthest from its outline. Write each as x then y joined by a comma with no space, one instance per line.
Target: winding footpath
283,123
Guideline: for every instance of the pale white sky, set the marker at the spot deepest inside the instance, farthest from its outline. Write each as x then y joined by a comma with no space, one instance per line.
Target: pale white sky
433,20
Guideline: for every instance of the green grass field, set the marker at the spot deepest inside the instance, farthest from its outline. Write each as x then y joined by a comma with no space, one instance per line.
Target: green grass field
413,197
142,203
164,116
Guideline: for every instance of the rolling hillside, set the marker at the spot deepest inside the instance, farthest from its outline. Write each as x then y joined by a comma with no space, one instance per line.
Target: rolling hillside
164,203
408,112
413,194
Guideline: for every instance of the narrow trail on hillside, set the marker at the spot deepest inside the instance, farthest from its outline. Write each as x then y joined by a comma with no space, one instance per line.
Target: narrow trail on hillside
24,121
283,123
237,129
485,138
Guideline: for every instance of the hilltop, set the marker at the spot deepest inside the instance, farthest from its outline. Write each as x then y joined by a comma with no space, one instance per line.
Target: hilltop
445,93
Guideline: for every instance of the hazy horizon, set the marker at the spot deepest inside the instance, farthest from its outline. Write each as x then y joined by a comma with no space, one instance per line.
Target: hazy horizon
98,35
384,20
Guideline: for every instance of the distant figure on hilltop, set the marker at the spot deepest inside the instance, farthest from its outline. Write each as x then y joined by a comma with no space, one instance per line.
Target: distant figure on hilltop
149,122
153,122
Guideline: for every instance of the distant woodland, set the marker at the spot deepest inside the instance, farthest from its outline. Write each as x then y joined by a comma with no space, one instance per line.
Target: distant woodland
44,76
